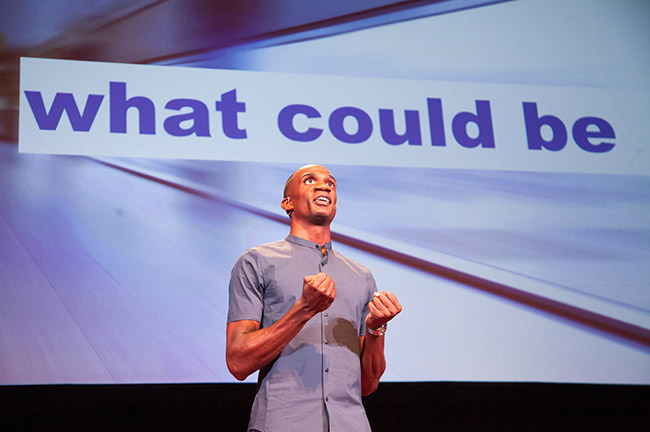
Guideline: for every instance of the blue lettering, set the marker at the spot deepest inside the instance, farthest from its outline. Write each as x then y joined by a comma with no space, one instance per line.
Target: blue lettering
482,119
412,133
120,104
64,102
199,117
229,107
534,125
285,123
436,125
364,123
581,135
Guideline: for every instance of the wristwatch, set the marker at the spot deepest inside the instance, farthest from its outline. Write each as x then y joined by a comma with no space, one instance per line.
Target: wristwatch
379,331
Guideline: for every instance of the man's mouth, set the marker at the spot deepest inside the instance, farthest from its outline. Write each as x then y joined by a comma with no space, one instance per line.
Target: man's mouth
322,199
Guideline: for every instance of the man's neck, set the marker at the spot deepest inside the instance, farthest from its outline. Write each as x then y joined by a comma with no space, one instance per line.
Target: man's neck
316,233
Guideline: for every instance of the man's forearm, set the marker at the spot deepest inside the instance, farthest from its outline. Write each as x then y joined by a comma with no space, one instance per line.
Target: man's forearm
249,348
252,348
373,363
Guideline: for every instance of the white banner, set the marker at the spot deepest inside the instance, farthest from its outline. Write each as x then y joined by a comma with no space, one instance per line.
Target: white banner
110,109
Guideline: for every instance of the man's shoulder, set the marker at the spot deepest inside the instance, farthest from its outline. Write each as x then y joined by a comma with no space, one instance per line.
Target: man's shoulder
268,249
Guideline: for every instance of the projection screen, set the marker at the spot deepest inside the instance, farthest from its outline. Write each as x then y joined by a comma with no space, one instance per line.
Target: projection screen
517,268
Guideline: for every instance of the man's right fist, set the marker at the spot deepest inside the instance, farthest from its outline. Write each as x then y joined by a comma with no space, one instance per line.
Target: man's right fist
318,292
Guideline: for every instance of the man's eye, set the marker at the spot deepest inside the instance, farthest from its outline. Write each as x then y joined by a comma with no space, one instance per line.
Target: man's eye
331,184
309,181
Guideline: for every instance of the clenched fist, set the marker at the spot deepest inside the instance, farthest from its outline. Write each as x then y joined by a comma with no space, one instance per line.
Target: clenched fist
383,308
318,293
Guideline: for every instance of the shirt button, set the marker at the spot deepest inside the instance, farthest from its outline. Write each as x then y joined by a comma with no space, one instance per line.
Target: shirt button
327,398
326,314
327,369
326,342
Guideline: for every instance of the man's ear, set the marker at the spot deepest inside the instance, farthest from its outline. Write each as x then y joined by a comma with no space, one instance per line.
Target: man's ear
287,205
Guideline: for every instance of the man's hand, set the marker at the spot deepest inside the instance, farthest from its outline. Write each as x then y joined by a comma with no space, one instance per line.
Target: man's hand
318,293
383,308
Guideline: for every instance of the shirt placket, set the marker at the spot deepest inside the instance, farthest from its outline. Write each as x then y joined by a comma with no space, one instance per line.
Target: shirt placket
324,316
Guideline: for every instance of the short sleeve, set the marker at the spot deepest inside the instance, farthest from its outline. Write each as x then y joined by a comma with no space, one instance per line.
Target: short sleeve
246,289
371,287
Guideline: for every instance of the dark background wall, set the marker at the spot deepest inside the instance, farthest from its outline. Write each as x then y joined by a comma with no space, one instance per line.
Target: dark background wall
395,407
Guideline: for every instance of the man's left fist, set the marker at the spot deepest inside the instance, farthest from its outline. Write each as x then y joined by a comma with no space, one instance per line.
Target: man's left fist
383,308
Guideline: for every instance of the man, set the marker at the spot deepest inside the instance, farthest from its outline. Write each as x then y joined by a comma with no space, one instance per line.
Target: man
309,319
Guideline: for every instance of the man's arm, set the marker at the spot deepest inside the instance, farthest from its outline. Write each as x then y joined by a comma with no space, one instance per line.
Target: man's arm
383,307
249,348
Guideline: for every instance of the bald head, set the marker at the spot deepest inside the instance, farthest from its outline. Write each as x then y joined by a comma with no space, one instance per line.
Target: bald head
304,168
308,183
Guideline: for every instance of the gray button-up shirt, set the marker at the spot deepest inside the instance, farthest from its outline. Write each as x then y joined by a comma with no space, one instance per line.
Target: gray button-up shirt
315,382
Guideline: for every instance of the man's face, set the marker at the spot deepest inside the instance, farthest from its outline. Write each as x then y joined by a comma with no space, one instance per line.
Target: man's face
311,195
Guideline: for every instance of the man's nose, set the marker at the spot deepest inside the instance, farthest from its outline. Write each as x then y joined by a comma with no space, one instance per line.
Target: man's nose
322,185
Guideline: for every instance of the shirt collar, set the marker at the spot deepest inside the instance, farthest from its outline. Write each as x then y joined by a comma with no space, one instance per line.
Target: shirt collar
307,243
